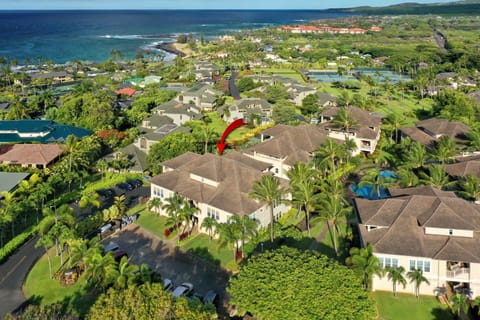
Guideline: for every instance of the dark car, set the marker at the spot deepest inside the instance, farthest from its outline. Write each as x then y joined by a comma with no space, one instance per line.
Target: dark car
125,186
106,193
135,183
119,254
211,297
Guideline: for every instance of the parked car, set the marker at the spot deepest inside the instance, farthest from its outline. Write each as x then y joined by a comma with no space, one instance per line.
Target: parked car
119,254
112,246
168,284
106,193
211,297
135,183
124,186
185,289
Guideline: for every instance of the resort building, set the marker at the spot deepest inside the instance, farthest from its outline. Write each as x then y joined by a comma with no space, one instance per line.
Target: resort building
250,109
203,96
284,145
427,229
30,155
219,186
429,131
177,111
299,92
55,77
365,129
42,131
9,181
464,166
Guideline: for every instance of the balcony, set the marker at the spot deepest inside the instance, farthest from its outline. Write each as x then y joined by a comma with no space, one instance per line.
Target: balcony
459,274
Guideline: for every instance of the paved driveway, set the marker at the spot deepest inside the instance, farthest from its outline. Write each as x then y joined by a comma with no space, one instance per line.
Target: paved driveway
144,247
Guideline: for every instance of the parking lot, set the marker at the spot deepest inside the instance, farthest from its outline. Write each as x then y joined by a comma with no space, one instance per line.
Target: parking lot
170,261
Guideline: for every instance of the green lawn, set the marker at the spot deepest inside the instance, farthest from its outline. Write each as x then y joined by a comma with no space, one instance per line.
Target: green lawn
201,245
154,223
42,290
284,72
219,125
406,306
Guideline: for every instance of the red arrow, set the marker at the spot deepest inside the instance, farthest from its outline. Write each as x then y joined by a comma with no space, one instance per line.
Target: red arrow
232,126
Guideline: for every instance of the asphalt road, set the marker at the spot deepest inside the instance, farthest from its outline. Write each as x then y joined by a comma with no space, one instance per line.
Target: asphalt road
234,92
12,276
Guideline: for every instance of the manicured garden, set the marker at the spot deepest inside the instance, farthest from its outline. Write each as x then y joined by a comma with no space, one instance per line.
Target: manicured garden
406,306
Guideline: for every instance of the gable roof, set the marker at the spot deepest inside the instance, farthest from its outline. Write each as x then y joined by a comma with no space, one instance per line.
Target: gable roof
453,129
464,168
126,91
234,174
362,117
28,154
400,224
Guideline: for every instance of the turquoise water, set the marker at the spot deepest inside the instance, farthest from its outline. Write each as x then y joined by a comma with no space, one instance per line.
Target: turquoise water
63,36
369,192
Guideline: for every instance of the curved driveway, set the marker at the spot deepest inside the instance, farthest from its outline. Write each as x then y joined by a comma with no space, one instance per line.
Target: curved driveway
232,87
13,273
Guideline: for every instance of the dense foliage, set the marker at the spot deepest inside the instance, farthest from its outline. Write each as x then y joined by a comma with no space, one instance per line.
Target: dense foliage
147,302
304,285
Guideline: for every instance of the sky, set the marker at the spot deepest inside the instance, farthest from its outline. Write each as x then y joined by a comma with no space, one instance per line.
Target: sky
194,4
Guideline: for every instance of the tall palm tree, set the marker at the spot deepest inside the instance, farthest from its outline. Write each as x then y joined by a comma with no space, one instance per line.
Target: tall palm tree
305,195
418,278
416,155
344,120
328,154
247,228
100,270
395,274
208,134
268,190
470,188
210,225
187,212
229,234
125,274
301,171
365,264
119,202
396,121
407,178
333,209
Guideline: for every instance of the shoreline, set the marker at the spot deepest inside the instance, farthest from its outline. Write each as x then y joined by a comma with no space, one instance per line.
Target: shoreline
170,48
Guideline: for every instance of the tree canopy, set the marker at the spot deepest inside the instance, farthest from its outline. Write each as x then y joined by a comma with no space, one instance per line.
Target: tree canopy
299,277
147,301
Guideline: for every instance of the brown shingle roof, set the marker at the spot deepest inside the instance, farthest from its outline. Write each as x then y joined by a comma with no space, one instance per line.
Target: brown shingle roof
418,135
180,160
464,168
30,154
453,129
401,221
292,143
235,175
362,117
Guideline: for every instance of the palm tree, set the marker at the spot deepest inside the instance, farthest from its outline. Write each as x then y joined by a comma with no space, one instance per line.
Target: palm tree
79,249
119,202
100,269
247,227
416,155
71,146
210,225
445,149
328,153
418,278
396,121
365,264
89,200
436,177
305,195
470,187
268,190
208,134
344,120
333,209
377,180
173,207
459,304
46,242
395,274
154,204
301,171
125,274
407,178
474,139
229,235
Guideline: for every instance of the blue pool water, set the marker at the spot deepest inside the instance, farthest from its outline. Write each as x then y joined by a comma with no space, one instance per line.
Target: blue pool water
369,192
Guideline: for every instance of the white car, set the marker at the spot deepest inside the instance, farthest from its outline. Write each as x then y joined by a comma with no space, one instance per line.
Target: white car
184,289
167,285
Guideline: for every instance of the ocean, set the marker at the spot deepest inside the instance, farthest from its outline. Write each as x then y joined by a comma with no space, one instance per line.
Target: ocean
62,36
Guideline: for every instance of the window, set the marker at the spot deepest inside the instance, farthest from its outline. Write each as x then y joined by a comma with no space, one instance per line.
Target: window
450,232
212,213
419,264
388,262
161,193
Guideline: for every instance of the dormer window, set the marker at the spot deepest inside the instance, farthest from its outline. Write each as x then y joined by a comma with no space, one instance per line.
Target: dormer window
450,232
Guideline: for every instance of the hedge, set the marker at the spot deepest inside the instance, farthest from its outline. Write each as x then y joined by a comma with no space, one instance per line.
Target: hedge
11,246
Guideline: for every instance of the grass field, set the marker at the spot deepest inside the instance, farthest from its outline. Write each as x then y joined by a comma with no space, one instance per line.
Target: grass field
406,306
42,290
208,249
283,72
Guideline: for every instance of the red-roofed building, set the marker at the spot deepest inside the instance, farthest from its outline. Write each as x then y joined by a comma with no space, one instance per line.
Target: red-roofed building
126,91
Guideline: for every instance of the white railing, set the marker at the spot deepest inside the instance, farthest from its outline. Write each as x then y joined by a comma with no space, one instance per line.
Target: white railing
459,273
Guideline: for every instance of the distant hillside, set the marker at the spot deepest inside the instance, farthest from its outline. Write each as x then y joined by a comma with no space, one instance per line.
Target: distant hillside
452,8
